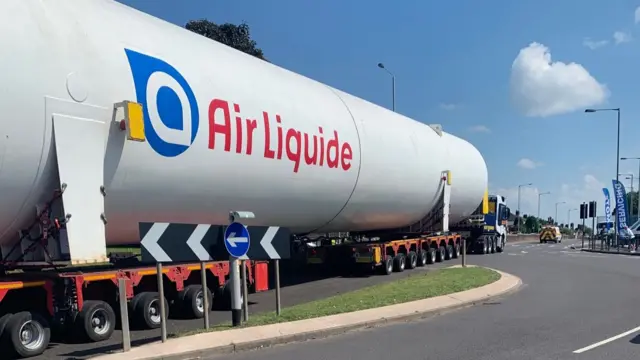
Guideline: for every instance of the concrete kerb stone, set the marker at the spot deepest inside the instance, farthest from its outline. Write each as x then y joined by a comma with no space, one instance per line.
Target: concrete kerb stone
627,253
506,285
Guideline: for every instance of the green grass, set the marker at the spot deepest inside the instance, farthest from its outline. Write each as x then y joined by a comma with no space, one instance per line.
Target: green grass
416,287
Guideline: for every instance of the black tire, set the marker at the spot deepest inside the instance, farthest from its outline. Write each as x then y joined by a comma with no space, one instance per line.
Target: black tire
387,265
399,262
96,322
147,310
441,254
494,241
223,296
432,256
4,319
193,301
423,258
501,247
448,255
12,340
456,251
412,260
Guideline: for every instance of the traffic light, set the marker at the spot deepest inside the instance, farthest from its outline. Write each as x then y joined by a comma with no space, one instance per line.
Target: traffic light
592,209
583,211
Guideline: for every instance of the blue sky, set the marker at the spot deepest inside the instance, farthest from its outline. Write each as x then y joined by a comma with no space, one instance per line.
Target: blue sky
453,64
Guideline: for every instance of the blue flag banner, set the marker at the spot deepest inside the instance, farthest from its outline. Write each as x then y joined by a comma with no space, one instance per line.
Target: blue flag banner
621,206
607,208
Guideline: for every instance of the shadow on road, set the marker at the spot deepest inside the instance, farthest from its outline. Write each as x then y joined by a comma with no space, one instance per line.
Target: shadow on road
635,340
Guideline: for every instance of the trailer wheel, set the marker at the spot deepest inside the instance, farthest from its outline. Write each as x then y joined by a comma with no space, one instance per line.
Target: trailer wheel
399,261
413,260
223,296
441,255
193,301
493,245
387,265
147,310
96,321
27,334
433,257
485,249
422,258
501,247
456,251
448,255
4,319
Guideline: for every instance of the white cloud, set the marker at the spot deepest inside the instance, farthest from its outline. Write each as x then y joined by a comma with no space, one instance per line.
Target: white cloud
448,107
540,87
637,15
589,189
528,164
621,37
594,44
479,129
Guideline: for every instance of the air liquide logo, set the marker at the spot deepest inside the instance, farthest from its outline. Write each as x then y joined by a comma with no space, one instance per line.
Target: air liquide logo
171,116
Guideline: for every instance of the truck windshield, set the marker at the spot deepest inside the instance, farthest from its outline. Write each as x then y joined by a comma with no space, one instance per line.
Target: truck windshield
492,207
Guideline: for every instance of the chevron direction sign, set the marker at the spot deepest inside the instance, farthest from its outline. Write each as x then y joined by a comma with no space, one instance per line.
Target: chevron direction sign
178,242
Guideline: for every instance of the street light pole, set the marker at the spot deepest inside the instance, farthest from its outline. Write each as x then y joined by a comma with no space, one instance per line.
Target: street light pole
393,86
615,228
520,213
558,203
636,158
539,195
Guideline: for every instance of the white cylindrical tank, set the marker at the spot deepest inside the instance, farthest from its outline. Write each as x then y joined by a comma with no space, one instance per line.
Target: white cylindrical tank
224,130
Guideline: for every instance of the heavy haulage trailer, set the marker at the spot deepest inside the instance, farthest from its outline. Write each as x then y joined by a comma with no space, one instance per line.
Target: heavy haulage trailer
103,130
429,241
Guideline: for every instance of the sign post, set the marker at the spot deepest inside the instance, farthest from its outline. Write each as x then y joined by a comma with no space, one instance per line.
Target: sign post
237,242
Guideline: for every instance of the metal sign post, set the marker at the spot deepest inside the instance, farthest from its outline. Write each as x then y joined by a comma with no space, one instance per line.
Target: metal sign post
124,314
163,311
464,252
245,292
237,242
205,293
277,271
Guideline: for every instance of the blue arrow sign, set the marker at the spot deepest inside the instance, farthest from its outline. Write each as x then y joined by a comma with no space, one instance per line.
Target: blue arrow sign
236,240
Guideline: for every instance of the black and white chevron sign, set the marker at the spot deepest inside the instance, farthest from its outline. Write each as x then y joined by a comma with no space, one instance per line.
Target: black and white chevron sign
177,242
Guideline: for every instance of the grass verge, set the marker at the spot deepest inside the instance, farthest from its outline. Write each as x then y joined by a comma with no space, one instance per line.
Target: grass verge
416,287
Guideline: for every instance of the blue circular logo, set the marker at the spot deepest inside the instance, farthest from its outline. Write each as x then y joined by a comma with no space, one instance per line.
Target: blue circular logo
171,117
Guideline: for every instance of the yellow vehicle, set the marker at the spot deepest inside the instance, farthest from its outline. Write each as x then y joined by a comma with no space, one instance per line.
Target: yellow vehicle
550,233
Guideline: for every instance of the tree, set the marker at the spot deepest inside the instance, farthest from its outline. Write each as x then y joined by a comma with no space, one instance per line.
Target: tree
236,36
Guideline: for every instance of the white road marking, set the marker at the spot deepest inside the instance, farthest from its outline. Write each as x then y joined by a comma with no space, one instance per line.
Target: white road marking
606,341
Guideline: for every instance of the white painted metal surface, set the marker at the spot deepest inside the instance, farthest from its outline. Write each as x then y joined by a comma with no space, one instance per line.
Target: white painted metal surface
215,119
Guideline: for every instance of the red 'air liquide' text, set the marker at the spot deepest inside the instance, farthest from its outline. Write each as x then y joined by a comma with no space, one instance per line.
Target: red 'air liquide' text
299,147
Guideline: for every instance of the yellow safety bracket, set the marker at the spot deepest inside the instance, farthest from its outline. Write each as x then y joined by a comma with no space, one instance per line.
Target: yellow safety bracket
485,202
133,122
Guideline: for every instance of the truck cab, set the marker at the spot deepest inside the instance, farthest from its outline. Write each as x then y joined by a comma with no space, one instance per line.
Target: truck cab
486,229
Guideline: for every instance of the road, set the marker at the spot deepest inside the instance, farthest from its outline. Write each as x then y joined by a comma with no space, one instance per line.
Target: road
572,305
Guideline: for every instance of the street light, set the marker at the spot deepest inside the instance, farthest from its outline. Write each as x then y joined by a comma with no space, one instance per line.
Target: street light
519,213
615,228
393,86
540,194
635,158
558,203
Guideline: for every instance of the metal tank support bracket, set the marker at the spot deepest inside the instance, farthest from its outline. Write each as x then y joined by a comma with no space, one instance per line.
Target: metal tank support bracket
80,160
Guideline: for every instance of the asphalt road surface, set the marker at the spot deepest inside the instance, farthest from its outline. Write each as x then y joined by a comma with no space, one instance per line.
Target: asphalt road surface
296,288
572,305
